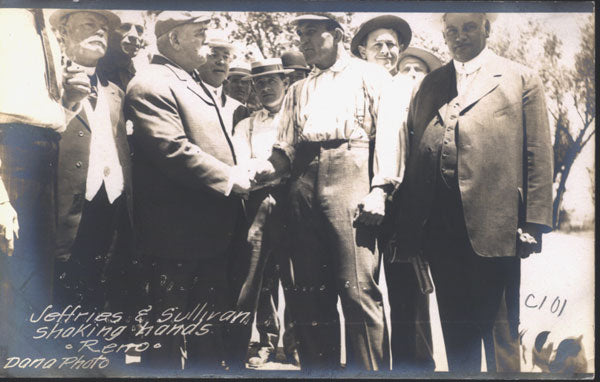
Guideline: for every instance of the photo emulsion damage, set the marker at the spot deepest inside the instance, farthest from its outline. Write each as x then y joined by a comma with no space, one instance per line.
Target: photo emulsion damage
406,191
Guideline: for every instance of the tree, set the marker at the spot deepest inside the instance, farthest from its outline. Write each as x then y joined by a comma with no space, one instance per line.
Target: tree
567,90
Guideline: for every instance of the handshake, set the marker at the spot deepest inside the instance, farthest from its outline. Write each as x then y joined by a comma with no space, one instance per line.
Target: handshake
252,175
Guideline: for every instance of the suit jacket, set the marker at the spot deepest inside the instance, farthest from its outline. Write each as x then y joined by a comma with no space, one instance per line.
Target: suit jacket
73,163
182,164
504,152
231,110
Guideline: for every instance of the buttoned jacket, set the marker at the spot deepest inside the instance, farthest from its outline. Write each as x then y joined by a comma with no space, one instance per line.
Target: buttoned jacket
73,165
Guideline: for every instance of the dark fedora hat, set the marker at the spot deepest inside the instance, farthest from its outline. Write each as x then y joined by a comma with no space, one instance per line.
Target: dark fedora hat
395,23
427,57
59,17
294,60
268,66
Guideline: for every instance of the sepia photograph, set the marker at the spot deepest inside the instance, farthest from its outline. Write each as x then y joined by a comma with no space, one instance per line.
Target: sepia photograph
308,189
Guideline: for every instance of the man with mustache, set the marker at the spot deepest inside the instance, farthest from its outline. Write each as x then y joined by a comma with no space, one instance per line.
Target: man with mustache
477,191
124,43
380,40
189,185
328,123
214,72
94,183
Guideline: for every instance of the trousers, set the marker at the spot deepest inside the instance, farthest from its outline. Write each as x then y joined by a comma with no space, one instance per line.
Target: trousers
29,156
476,295
81,278
268,236
412,344
211,293
332,256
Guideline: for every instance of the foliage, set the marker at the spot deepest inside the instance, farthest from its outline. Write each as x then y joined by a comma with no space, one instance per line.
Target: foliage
567,89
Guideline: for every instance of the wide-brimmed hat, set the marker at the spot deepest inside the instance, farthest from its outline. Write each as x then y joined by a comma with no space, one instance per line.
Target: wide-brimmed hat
395,23
294,60
59,17
239,69
316,16
167,20
268,66
427,57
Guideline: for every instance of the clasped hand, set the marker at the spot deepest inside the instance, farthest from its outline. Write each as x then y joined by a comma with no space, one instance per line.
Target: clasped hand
255,174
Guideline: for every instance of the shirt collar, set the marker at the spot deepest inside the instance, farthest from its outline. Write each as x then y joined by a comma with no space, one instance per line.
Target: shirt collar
215,92
340,64
472,65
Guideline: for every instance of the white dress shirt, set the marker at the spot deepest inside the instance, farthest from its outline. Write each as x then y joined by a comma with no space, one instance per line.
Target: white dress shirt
465,71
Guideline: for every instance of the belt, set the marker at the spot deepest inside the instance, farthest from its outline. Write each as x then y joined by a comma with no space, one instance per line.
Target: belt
336,143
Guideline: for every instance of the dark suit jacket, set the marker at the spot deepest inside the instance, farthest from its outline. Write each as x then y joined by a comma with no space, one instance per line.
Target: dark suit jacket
504,155
73,161
181,167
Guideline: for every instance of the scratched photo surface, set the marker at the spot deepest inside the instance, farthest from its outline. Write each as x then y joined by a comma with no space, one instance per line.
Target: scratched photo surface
183,192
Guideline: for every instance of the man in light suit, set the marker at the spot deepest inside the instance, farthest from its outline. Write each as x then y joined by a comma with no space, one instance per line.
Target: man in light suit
477,191
188,206
94,187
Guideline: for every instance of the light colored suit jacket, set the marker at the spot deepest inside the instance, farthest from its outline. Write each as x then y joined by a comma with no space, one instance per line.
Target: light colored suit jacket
504,155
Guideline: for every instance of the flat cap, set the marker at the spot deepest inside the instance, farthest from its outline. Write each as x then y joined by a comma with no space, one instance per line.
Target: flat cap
316,16
167,20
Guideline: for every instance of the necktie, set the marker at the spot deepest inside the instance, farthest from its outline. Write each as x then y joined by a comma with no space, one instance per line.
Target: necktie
51,80
93,97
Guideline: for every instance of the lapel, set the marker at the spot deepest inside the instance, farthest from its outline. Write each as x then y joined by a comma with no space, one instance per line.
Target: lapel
486,80
183,76
448,84
114,106
82,117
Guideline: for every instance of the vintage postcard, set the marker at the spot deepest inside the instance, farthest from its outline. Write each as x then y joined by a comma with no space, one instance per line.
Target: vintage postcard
315,189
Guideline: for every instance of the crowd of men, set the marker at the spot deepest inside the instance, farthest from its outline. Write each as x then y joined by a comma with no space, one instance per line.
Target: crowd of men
199,179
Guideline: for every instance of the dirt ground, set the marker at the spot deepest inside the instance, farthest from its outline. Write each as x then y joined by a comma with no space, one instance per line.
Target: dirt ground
562,277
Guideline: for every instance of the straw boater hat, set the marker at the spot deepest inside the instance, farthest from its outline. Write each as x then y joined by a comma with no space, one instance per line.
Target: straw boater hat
239,69
268,66
59,17
294,60
381,22
316,16
427,57
167,20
